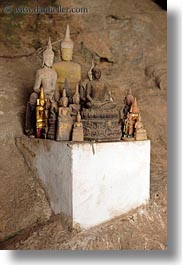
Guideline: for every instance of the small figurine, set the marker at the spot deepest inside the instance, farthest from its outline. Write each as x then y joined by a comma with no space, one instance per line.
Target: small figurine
140,132
65,122
40,116
128,101
75,107
52,123
77,134
98,94
45,77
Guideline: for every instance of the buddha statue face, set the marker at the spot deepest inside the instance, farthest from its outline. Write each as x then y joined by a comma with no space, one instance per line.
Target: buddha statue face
42,102
65,102
48,55
67,54
96,73
48,61
76,100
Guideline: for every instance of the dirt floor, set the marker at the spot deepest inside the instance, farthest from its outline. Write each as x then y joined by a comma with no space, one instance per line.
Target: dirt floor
132,53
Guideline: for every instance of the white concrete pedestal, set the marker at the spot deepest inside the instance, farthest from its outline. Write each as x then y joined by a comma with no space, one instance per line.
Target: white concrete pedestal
91,183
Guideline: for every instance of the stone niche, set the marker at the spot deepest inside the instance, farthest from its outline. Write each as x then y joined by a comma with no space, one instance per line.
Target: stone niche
90,182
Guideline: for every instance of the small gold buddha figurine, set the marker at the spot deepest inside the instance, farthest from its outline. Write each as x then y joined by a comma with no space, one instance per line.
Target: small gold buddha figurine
75,107
40,115
65,122
45,77
66,68
77,134
140,132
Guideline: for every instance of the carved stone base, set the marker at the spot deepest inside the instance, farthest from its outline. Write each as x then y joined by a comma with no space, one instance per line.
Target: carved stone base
102,129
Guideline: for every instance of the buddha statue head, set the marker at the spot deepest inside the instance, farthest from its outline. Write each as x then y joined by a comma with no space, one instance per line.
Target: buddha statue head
67,46
129,99
64,99
76,96
96,73
48,55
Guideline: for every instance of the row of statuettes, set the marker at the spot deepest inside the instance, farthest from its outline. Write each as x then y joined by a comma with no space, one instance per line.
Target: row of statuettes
65,123
62,107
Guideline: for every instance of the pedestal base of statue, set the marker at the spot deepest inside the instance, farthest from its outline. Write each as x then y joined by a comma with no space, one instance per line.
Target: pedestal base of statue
90,183
105,129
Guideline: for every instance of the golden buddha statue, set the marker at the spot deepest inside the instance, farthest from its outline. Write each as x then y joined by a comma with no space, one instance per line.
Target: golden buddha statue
66,68
41,116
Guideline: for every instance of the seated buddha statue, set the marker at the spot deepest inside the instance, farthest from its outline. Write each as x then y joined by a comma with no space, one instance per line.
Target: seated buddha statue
140,131
100,116
98,95
45,77
66,69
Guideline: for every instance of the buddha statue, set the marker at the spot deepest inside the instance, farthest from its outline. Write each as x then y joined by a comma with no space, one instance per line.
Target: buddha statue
75,107
66,68
100,116
98,95
41,116
45,77
77,134
128,101
140,132
129,122
65,122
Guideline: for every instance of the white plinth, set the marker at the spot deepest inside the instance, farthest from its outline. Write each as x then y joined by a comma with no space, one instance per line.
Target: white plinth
91,183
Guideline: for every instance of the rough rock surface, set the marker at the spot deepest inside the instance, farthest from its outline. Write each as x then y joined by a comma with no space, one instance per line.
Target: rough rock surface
128,40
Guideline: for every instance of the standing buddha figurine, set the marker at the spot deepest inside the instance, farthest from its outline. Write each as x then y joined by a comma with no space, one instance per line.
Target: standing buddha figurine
66,68
75,107
45,77
77,134
65,122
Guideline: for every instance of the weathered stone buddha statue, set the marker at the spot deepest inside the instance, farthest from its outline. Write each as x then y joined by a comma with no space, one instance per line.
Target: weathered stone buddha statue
65,122
41,115
75,107
100,116
77,134
45,77
98,95
66,68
